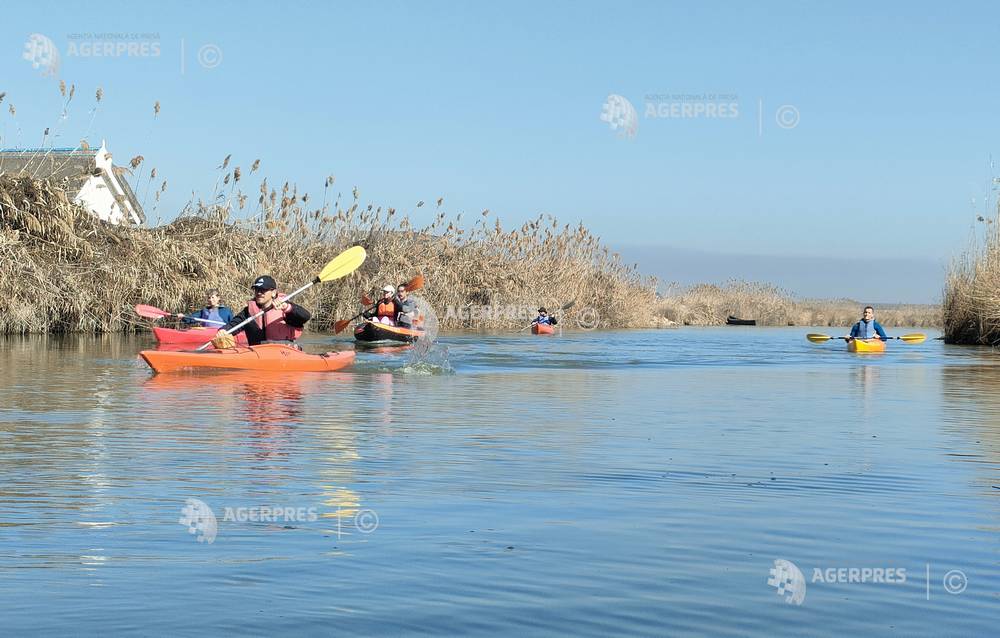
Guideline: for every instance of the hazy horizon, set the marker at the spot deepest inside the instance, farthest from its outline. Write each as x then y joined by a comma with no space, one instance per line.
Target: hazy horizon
906,281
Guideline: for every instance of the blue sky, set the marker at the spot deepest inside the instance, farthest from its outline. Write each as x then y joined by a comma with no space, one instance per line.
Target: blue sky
498,106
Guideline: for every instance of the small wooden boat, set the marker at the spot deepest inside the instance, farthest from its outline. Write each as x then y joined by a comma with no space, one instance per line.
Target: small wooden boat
736,321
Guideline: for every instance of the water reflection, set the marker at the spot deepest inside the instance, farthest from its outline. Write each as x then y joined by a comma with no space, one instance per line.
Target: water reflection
971,408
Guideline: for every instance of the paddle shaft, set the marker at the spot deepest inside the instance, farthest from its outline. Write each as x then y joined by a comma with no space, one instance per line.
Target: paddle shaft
218,323
869,339
368,309
261,313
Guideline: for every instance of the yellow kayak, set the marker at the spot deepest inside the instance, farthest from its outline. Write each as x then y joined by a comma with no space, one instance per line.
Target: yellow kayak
865,345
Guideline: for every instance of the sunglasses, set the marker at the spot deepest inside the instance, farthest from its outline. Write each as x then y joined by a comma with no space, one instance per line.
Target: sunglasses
260,291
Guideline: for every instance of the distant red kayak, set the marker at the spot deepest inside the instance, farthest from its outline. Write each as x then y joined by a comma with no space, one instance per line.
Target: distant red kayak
542,329
191,335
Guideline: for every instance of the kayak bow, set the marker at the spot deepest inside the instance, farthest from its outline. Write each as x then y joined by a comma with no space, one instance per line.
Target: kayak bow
865,345
267,356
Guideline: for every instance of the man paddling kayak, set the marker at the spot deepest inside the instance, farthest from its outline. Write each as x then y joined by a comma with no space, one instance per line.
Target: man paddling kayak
868,328
544,318
282,321
407,307
213,311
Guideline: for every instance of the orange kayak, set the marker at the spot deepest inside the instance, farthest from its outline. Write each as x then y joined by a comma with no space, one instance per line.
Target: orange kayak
197,335
542,329
267,356
866,345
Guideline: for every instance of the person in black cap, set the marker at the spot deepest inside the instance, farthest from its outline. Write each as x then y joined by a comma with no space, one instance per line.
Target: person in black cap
544,318
281,321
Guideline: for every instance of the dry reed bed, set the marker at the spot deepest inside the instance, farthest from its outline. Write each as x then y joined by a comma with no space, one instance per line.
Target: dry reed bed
65,271
972,294
709,305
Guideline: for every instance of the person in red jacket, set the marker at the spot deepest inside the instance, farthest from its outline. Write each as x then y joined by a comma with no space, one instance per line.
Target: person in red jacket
281,321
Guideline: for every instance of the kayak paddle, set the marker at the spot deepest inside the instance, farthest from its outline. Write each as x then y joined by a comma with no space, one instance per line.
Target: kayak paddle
414,284
152,312
340,266
565,306
915,337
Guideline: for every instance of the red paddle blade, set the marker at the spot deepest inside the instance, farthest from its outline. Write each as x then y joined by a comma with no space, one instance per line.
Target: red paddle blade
366,300
415,284
150,312
340,325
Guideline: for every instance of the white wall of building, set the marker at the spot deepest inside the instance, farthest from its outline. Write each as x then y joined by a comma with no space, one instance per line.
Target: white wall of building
101,200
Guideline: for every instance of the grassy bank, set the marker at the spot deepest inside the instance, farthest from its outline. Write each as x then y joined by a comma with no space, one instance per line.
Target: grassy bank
64,271
972,294
709,305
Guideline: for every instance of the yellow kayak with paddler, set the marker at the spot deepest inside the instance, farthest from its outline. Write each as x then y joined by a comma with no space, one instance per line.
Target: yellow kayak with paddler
862,346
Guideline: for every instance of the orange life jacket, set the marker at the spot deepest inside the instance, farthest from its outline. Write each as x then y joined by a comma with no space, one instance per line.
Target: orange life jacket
273,323
386,309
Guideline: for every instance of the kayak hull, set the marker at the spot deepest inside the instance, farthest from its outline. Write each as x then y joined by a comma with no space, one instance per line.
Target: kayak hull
866,345
197,335
542,329
383,334
267,356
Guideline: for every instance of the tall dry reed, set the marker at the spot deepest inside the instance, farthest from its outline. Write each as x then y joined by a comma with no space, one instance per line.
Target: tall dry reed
972,293
64,270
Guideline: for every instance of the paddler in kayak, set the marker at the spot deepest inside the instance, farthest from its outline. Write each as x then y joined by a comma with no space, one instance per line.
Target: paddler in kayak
544,318
281,321
868,328
386,309
213,311
407,307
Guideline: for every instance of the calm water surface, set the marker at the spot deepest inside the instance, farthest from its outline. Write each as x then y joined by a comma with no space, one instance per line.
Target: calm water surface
599,483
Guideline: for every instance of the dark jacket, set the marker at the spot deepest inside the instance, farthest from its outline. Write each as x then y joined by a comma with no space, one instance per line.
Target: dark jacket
224,313
548,320
296,317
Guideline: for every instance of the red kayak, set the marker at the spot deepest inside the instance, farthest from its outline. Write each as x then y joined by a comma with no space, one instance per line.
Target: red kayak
266,356
195,335
542,329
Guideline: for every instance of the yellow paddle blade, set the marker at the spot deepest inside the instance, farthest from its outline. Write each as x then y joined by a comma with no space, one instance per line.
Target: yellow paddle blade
916,337
343,264
818,338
